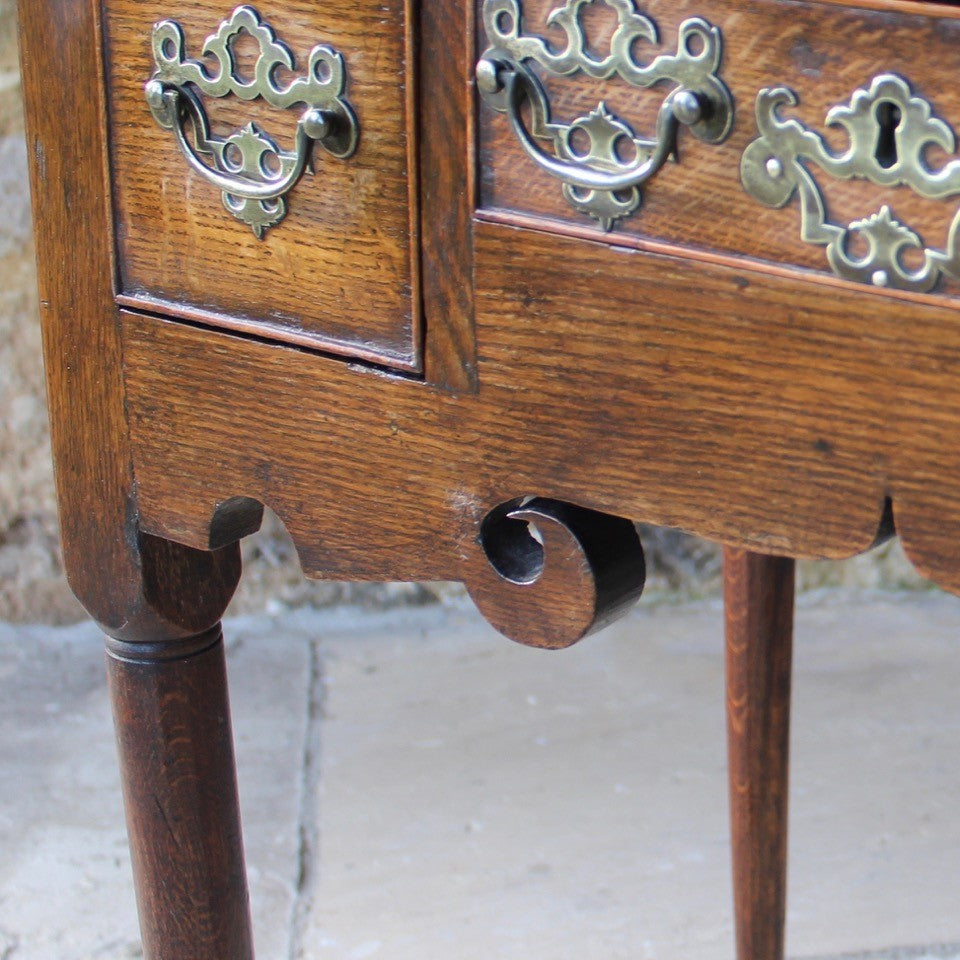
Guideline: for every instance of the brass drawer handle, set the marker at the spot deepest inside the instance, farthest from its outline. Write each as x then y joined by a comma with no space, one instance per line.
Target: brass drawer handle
252,171
598,180
889,130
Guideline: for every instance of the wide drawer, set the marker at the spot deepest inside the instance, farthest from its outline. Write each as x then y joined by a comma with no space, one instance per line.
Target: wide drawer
836,155
330,264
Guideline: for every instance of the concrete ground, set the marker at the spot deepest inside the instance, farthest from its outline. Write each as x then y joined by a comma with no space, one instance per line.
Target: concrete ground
415,787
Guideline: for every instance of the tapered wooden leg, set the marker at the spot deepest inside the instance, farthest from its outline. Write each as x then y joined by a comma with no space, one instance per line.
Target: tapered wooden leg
172,721
758,594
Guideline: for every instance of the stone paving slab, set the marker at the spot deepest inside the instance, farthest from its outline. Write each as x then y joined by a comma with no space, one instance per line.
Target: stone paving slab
65,882
481,800
413,786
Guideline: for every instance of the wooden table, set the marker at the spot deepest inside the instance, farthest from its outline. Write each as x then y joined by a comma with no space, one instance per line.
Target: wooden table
463,291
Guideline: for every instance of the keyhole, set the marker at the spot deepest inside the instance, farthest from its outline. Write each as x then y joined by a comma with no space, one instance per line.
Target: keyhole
888,116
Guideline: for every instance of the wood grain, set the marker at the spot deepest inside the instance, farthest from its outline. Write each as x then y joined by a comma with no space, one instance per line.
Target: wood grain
135,586
824,52
172,718
341,272
764,413
447,191
758,596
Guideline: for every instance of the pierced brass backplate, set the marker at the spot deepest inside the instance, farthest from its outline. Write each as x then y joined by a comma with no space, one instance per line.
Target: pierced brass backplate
890,130
253,173
596,181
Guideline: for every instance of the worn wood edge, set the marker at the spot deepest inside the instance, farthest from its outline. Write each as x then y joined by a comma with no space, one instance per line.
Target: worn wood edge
473,114
265,330
447,193
908,7
134,585
204,537
523,221
412,125
163,651
104,110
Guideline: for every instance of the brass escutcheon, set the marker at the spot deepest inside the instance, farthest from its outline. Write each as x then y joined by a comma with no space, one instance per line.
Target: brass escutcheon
889,129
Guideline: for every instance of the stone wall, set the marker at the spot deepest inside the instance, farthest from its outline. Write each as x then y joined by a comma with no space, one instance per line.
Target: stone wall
31,579
31,582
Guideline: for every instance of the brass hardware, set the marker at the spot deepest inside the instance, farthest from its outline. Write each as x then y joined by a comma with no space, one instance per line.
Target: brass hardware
890,130
597,181
252,171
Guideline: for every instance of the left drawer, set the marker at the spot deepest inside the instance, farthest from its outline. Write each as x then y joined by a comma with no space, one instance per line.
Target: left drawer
331,261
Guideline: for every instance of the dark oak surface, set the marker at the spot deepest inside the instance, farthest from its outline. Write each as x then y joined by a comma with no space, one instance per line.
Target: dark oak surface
758,597
172,718
770,414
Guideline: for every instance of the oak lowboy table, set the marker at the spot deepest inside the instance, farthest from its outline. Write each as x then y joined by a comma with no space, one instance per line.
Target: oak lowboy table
464,289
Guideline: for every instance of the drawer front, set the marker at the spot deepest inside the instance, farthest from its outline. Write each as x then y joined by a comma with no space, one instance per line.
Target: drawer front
330,263
855,179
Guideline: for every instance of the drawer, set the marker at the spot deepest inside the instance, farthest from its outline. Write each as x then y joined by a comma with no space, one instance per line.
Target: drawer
675,378
853,177
332,263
